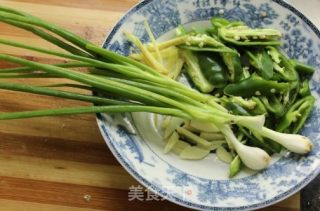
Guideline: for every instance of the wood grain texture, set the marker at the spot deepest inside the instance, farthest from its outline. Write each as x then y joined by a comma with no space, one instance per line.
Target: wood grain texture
51,163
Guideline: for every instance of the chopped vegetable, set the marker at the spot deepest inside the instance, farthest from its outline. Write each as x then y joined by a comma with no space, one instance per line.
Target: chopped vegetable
173,139
172,125
273,104
244,36
193,138
212,136
213,69
302,68
149,58
304,89
203,126
195,73
234,66
282,65
235,166
224,155
179,147
193,153
262,62
256,86
295,117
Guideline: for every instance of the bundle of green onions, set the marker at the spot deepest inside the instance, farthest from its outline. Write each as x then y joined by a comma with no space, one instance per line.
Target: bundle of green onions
129,86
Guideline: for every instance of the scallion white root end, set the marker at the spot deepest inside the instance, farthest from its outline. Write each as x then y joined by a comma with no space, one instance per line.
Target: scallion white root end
293,142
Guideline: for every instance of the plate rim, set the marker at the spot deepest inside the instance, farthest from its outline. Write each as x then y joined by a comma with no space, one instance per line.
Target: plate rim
160,192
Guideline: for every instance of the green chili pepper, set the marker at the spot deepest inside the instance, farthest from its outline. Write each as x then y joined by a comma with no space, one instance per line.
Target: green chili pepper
276,76
302,68
242,35
290,97
207,49
245,72
213,31
213,69
199,41
262,62
282,65
217,92
255,85
195,73
260,108
273,104
235,166
238,33
219,22
216,24
236,109
304,88
180,30
233,63
248,104
295,117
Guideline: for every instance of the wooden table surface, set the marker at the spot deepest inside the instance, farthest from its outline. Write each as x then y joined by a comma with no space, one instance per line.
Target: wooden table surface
62,163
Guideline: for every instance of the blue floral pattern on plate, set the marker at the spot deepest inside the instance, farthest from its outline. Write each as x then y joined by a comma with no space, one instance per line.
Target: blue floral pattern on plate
283,178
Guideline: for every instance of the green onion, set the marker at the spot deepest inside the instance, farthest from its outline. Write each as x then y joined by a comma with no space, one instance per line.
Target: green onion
93,109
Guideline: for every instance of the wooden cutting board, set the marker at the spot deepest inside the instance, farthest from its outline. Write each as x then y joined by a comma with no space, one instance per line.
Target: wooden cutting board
62,163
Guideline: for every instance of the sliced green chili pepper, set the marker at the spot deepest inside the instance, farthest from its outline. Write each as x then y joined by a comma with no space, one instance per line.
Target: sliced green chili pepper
282,65
262,62
302,68
295,117
195,73
203,40
219,22
213,31
304,88
255,85
242,35
276,76
260,108
273,104
248,104
233,63
290,97
245,73
180,30
236,109
235,166
217,92
207,49
213,69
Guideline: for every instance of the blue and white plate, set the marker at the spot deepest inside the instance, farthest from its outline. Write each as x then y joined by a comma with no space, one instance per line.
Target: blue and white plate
205,184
